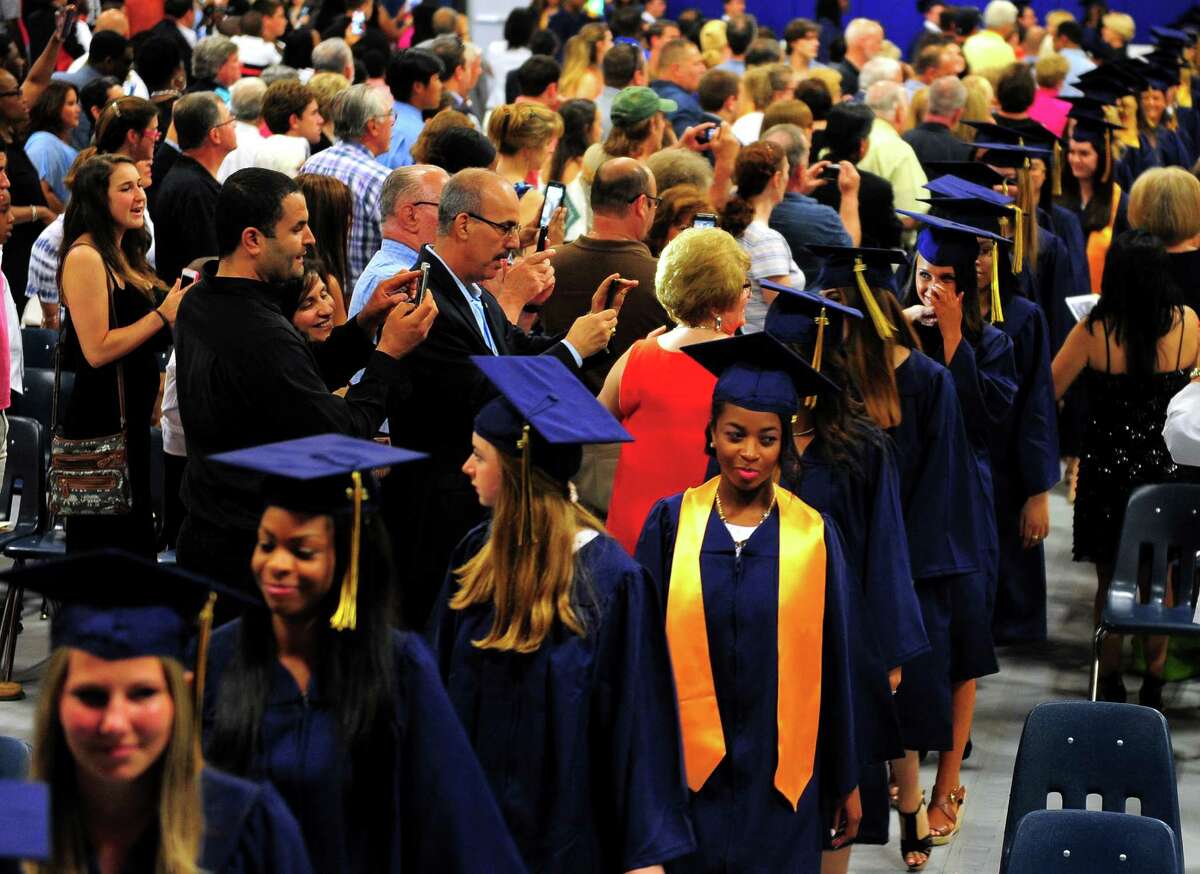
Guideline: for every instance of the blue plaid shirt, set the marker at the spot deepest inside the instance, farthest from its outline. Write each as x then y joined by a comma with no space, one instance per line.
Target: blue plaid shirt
354,164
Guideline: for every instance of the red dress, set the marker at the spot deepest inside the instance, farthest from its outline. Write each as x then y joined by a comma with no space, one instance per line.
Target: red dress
666,401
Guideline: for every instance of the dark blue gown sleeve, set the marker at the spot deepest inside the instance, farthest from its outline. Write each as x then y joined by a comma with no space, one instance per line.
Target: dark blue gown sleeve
449,817
1036,424
272,842
248,829
656,545
841,760
985,381
637,729
891,598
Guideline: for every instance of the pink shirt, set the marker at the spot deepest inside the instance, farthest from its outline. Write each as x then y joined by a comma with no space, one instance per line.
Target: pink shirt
1050,111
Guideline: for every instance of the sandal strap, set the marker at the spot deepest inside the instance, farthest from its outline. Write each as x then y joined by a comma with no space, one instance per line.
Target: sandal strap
909,824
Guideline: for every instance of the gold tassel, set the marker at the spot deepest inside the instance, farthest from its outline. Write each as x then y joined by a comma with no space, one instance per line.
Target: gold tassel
1018,239
345,618
1183,97
525,509
1056,176
885,329
997,313
205,632
1108,155
822,321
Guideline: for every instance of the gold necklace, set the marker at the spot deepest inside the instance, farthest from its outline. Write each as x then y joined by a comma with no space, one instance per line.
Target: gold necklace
721,515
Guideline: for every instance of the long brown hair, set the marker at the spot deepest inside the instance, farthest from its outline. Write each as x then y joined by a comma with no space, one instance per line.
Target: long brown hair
88,213
529,587
330,210
869,357
180,818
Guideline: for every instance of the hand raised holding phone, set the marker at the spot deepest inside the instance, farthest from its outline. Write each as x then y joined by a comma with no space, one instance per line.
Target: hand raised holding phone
407,327
396,289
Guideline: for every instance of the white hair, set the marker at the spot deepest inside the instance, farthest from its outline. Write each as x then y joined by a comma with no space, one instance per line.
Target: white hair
246,98
879,69
1000,13
947,95
884,98
860,28
332,56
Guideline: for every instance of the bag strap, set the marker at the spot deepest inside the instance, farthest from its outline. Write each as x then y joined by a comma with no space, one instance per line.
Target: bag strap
109,282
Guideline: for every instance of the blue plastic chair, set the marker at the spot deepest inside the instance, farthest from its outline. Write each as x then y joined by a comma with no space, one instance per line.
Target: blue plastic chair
15,758
1080,748
37,345
1162,525
1092,841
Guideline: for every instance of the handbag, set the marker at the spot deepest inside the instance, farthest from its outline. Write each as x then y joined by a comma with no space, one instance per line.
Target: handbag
89,476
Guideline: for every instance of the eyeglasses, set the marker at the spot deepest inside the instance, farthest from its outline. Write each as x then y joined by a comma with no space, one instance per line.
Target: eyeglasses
433,203
15,93
506,229
656,201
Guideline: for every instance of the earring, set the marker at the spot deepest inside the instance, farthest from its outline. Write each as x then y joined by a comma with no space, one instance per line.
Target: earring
718,323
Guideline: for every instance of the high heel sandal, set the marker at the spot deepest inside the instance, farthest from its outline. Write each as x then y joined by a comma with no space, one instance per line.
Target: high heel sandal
951,808
912,826
1150,695
1112,688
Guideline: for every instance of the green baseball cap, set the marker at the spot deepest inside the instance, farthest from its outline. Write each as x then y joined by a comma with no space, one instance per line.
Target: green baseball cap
636,104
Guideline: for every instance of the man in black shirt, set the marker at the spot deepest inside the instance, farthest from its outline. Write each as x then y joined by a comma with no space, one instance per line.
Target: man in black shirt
246,376
933,139
186,203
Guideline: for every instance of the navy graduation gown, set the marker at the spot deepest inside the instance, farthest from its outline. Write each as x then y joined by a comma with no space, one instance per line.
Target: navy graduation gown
884,616
580,739
1169,150
742,822
248,829
445,817
1024,453
1062,271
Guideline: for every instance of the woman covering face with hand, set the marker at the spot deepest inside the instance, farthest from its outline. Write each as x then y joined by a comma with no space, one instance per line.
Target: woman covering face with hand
117,738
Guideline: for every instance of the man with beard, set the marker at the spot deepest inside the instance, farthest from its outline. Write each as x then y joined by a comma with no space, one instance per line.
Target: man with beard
434,504
246,376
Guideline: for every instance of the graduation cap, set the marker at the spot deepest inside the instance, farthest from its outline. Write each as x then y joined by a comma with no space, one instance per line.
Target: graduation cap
1170,36
810,320
988,215
1160,78
972,171
1098,131
863,268
322,475
117,605
24,820
1000,211
946,242
757,372
544,416
1015,155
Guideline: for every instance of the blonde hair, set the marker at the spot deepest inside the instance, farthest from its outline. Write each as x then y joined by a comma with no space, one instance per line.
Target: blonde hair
325,86
919,105
180,806
517,126
1121,24
1051,70
832,79
579,56
791,111
1166,202
763,81
713,43
978,107
699,272
530,586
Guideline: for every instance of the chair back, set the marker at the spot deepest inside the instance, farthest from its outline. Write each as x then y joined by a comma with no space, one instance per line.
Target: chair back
1094,841
37,345
23,476
1161,530
38,398
15,759
1082,748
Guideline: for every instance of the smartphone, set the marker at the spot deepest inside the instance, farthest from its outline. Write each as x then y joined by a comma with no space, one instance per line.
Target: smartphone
706,135
831,173
358,23
705,220
422,284
66,25
555,192
189,275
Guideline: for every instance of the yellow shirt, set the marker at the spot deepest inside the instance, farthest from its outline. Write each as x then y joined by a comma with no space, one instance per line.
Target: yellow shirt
893,159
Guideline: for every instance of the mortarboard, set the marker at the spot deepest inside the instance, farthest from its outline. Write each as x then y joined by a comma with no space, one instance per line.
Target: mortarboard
988,214
949,243
864,268
1170,36
811,321
544,416
1017,156
757,372
24,820
117,605
322,475
1098,131
1160,78
993,208
972,171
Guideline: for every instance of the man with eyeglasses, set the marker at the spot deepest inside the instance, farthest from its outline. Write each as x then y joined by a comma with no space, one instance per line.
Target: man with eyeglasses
431,509
187,199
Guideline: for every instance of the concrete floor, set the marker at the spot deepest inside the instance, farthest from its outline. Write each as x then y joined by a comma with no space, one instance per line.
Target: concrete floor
1028,676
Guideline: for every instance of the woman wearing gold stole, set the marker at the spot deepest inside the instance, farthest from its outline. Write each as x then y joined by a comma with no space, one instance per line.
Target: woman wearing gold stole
753,582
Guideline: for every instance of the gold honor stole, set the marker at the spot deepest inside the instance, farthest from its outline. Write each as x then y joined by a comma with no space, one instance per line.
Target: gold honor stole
799,633
1098,242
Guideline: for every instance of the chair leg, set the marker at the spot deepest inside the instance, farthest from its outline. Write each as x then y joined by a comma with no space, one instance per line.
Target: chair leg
1097,643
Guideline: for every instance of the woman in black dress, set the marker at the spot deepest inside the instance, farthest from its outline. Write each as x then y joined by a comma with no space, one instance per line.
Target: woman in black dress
1134,350
104,249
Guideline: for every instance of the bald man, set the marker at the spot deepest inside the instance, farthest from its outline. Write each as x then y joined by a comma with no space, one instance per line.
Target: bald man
432,507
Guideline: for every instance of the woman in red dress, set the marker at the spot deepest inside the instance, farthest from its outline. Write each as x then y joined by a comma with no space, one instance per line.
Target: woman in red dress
662,396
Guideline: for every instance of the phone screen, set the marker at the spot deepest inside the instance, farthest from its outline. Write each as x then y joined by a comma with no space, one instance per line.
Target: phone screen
554,198
595,8
422,284
358,23
67,25
704,220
